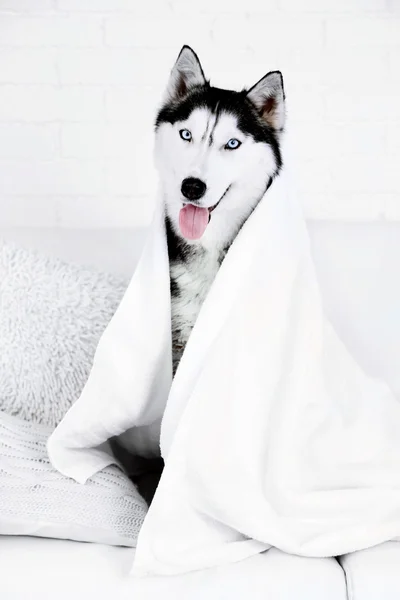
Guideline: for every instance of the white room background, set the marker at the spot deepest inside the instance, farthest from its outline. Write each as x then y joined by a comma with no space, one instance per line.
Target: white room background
80,81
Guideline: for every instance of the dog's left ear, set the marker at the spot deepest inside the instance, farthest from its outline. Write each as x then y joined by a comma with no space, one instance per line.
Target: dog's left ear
268,97
186,73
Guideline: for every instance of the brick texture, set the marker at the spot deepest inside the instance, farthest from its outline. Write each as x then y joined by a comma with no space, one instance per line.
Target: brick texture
80,81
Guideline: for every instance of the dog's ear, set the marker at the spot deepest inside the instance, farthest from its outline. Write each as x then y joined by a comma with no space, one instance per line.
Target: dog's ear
186,73
268,97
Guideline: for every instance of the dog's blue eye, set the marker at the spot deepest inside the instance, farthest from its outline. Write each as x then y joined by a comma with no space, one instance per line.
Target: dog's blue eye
232,144
185,135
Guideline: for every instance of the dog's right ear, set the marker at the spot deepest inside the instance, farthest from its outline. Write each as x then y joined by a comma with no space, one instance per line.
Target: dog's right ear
186,73
268,96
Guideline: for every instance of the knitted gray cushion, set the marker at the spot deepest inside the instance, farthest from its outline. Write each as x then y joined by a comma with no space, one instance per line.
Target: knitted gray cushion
52,315
37,500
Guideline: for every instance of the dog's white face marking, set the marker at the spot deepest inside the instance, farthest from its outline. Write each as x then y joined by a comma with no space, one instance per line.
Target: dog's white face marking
234,177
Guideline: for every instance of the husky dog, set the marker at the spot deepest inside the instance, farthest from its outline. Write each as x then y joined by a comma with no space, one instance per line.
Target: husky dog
217,152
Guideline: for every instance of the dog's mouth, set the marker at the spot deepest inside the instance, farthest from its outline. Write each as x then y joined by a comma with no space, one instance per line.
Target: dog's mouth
211,208
193,220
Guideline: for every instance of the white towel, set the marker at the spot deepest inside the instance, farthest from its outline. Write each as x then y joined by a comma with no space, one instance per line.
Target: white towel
271,433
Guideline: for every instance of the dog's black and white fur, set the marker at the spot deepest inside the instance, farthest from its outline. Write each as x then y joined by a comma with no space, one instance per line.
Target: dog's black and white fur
216,149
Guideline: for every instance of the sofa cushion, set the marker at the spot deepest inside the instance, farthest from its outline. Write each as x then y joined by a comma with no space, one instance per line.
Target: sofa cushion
272,575
374,573
82,571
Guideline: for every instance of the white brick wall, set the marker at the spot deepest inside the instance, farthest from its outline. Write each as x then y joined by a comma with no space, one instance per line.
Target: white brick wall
80,81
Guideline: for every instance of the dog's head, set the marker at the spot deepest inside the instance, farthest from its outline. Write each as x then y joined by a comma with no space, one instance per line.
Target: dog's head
216,150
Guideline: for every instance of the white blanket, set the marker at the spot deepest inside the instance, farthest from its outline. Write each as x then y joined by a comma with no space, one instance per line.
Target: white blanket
271,433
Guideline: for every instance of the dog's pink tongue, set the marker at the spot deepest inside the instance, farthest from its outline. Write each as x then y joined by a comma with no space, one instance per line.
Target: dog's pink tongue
193,221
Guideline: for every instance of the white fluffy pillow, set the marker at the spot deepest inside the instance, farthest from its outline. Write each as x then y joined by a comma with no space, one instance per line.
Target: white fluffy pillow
36,500
52,315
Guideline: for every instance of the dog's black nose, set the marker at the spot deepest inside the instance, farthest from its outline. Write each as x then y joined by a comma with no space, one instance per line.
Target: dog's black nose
193,189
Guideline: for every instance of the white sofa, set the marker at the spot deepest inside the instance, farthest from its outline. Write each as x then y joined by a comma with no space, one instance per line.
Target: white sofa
359,271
